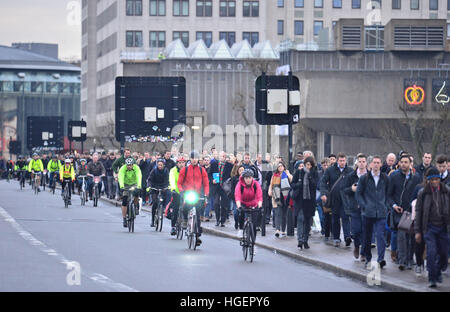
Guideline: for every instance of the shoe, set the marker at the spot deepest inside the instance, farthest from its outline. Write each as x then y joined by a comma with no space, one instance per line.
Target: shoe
277,233
394,256
326,239
125,224
305,244
283,234
152,224
199,241
432,284
363,258
206,220
409,266
373,246
337,242
70,202
222,225
39,189
418,270
401,267
300,245
240,233
348,242
236,225
217,223
368,265
356,253
173,231
382,264
258,229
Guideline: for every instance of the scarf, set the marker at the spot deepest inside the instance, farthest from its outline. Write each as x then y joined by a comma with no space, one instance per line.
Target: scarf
306,193
285,186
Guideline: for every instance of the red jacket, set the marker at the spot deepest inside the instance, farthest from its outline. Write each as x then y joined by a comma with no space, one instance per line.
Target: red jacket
248,197
196,179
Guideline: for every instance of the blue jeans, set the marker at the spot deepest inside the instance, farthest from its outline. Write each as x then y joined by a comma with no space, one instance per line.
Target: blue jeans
357,230
378,224
436,239
321,216
337,214
393,240
209,206
53,176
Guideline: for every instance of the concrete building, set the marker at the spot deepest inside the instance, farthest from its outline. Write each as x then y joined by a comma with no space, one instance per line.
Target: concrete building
34,85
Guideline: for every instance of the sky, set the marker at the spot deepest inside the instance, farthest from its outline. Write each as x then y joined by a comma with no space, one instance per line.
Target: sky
46,21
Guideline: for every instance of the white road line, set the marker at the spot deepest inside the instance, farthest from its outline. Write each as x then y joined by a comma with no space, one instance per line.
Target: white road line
96,277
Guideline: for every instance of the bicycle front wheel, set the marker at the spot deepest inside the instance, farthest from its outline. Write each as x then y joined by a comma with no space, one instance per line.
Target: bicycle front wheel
195,233
251,246
245,242
160,217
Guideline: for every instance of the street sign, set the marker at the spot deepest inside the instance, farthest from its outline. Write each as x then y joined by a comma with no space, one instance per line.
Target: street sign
275,103
45,131
77,130
149,106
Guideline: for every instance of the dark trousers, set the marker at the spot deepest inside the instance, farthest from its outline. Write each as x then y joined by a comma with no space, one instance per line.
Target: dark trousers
176,201
267,205
111,187
166,198
105,183
357,230
221,205
436,239
419,249
327,224
303,227
369,225
64,182
339,214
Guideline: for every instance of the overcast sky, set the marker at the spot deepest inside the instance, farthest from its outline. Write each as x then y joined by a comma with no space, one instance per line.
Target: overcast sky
47,21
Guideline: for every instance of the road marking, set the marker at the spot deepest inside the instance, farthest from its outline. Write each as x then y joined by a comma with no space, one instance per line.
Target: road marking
96,277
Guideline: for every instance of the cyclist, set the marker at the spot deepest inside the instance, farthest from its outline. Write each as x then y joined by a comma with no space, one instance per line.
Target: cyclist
173,180
20,168
95,169
53,167
158,179
129,175
194,178
10,167
248,194
45,162
36,167
82,170
67,175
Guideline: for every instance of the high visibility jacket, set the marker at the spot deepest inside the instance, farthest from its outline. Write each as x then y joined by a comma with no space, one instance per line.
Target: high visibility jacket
130,177
53,166
66,173
21,165
36,165
173,179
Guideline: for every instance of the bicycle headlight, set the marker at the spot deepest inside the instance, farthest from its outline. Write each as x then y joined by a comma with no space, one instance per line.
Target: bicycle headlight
191,197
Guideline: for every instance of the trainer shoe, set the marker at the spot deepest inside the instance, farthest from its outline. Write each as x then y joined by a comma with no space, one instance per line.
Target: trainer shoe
382,264
356,253
418,270
348,242
173,231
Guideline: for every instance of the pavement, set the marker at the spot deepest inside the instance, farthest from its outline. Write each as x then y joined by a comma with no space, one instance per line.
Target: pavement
339,260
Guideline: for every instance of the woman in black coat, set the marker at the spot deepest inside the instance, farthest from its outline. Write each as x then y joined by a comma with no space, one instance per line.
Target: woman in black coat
304,184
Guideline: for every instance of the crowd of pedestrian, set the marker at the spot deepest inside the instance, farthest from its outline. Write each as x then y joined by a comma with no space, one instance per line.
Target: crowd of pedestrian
382,203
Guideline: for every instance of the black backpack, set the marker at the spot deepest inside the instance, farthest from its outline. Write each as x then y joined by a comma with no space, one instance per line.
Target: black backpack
254,188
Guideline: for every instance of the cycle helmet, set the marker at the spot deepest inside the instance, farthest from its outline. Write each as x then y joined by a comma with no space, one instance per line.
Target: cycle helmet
35,154
82,160
181,158
67,161
247,173
161,160
129,161
54,156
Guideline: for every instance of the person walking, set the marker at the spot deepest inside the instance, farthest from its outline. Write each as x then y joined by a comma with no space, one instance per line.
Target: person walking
402,183
372,198
432,223
304,185
278,190
423,167
330,186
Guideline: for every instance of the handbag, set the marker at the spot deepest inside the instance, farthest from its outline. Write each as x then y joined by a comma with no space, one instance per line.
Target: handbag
406,223
227,187
327,206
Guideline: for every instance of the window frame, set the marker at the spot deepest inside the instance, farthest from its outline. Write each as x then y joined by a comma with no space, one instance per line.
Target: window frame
437,5
133,7
133,34
158,7
203,37
295,28
337,7
227,37
316,5
302,5
280,3
314,27
180,36
399,5
356,7
280,23
181,4
411,5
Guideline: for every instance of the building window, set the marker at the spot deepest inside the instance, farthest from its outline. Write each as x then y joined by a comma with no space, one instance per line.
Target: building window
183,36
301,3
318,25
204,7
157,7
251,37
250,8
414,4
434,5
280,3
180,7
227,8
280,27
337,4
134,7
396,4
206,36
356,4
134,39
157,39
376,4
298,28
374,38
448,30
229,37
448,5
318,3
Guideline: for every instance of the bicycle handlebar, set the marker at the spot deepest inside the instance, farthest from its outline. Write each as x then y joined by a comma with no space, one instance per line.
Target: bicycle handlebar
155,189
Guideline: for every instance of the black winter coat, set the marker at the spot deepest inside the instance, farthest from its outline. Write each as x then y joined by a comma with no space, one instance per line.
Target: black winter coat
423,206
351,204
307,205
373,199
330,176
158,178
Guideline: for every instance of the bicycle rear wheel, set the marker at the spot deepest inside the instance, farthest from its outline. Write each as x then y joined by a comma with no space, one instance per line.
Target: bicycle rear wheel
245,242
195,234
251,246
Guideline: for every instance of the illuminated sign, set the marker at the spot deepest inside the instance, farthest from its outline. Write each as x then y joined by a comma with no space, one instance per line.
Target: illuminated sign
414,95
441,88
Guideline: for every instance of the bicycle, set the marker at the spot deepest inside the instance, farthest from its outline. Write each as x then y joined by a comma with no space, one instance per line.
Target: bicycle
36,181
131,208
249,235
192,231
44,179
66,196
53,184
22,179
96,194
159,215
179,225
83,194
9,175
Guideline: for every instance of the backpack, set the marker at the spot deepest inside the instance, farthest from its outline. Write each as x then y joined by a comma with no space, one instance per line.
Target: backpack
254,188
201,171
